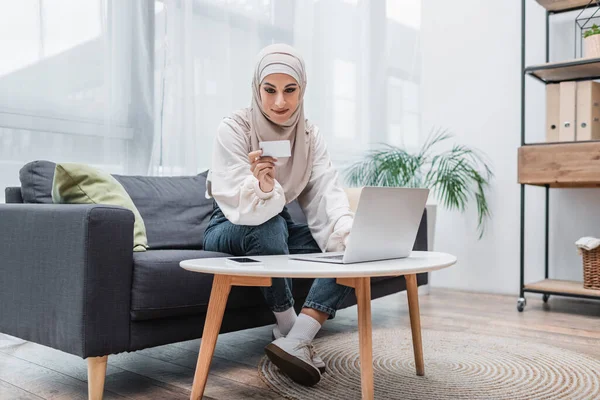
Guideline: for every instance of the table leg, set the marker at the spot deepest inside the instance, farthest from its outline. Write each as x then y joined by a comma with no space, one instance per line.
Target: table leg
415,322
214,316
363,297
362,289
216,307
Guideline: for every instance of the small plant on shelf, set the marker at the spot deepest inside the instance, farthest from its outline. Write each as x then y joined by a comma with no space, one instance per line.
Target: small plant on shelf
594,30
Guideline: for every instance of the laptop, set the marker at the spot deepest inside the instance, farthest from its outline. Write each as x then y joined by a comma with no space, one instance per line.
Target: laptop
385,226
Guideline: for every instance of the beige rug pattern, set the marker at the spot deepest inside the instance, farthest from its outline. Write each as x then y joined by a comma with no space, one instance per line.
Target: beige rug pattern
457,366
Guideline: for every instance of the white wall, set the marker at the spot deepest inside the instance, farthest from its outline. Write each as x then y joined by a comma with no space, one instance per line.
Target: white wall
471,85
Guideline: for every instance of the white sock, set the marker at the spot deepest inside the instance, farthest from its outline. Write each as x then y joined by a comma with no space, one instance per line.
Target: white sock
285,320
305,328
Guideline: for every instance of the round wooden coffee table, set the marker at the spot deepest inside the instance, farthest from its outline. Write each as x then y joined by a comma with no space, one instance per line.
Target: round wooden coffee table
357,276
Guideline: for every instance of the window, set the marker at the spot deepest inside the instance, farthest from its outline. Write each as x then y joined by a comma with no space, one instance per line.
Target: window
344,101
19,35
58,71
31,30
260,9
405,12
68,94
403,113
84,24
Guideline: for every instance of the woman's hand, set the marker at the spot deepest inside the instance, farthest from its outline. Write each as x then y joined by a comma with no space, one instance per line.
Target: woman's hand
263,168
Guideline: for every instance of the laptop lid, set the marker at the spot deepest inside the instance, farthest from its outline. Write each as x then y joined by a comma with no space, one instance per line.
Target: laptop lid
386,223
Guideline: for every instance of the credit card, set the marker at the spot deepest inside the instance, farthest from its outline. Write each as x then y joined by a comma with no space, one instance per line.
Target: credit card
276,148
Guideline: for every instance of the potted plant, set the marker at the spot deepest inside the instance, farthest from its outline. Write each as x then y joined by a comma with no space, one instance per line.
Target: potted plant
591,39
455,175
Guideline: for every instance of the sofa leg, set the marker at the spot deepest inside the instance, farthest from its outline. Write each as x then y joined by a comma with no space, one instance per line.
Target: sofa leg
96,376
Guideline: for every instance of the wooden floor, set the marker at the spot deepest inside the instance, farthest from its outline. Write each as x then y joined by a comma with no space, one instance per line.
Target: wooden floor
31,371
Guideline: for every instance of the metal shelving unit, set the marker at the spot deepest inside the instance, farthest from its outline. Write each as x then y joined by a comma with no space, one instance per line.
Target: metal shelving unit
555,165
576,70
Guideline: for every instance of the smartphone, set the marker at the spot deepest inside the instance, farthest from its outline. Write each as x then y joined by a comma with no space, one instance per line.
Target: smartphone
276,148
244,260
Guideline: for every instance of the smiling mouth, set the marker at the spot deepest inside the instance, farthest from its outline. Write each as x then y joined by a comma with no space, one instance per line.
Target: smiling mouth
280,112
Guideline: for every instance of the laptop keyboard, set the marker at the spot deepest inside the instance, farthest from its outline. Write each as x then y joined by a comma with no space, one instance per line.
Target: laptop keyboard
338,257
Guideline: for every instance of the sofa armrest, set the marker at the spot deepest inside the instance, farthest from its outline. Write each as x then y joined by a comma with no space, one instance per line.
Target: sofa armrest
65,276
13,195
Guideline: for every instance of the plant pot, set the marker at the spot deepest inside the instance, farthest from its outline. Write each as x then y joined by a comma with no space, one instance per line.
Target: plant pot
591,46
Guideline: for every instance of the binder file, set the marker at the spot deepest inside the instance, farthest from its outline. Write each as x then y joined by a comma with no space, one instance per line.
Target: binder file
552,111
568,95
588,111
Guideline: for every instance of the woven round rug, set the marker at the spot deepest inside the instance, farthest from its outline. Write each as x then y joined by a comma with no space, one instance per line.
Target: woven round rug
457,366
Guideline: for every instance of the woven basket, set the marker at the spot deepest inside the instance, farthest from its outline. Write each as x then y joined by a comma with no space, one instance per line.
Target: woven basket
591,268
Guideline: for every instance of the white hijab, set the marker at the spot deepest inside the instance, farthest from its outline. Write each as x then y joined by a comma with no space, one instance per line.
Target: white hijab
294,172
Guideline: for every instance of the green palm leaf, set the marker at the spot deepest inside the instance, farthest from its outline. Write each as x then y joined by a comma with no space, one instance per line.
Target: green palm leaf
456,176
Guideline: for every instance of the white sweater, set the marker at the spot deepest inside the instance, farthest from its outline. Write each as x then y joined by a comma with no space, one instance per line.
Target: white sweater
239,196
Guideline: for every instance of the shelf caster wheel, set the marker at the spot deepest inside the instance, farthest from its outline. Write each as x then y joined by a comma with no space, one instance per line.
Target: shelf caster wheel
545,298
521,303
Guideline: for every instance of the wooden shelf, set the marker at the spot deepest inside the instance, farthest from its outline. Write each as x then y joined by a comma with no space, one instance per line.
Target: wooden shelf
575,70
563,5
557,287
560,165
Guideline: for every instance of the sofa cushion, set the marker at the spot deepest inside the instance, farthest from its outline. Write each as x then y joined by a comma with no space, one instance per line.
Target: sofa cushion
36,182
161,288
174,208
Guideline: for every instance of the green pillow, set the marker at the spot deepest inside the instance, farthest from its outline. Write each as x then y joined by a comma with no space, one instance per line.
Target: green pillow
82,184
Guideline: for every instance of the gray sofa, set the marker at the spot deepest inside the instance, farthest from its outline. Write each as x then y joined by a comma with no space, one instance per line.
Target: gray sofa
69,278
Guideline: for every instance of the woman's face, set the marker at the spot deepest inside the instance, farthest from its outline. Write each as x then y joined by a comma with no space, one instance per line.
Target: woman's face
279,95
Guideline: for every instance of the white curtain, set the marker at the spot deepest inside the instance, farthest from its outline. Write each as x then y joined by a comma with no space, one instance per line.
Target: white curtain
76,84
140,86
363,67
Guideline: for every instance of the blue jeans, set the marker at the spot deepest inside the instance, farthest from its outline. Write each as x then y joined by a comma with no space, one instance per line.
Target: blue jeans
279,235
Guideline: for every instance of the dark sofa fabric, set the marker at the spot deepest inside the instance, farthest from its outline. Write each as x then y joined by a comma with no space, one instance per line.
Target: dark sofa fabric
12,195
151,333
36,182
161,288
65,273
174,209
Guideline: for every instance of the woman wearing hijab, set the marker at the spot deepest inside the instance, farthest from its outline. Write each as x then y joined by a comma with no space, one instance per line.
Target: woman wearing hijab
251,193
